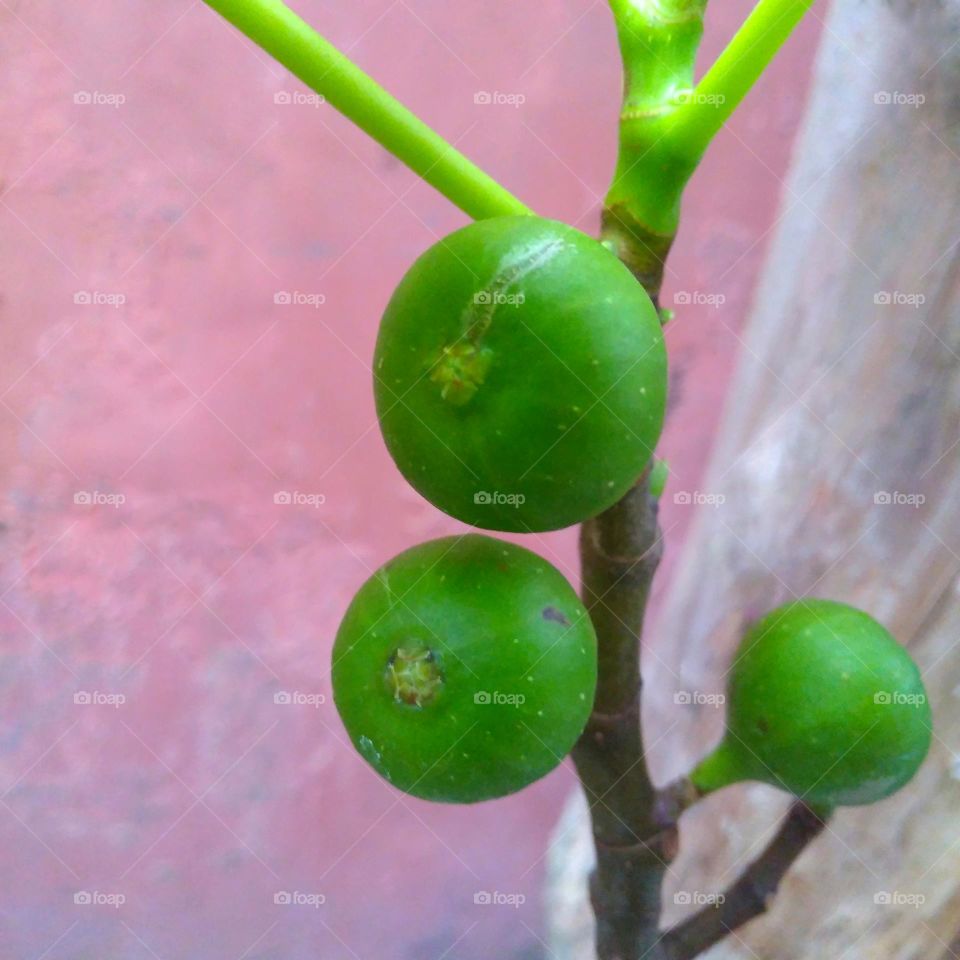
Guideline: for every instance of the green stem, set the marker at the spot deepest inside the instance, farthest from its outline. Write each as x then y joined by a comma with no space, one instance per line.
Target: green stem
658,46
694,124
295,44
667,122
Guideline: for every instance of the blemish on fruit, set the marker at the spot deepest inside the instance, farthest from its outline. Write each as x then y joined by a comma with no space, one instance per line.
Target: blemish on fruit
413,675
555,615
460,370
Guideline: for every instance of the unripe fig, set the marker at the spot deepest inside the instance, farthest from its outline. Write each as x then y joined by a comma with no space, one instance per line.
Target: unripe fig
465,669
520,375
824,703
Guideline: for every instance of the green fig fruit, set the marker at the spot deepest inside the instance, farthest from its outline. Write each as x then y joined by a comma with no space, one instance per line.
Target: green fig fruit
824,703
520,375
465,669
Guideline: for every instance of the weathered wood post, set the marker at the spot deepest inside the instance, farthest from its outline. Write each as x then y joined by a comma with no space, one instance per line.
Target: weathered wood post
839,468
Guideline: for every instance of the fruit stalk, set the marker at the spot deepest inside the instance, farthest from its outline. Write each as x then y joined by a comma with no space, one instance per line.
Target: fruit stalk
294,43
750,895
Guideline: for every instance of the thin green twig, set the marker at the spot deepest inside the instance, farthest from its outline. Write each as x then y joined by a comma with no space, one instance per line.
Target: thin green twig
294,43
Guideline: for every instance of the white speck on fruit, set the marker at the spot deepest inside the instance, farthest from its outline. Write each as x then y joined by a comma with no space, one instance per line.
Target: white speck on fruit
582,697
369,750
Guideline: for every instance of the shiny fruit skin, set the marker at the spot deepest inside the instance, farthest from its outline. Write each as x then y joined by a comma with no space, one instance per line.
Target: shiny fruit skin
519,361
496,675
824,703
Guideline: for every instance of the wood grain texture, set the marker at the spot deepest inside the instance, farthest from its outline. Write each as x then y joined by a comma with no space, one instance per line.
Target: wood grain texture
847,396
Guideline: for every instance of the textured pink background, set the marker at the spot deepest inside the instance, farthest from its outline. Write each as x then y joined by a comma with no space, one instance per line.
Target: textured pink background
198,598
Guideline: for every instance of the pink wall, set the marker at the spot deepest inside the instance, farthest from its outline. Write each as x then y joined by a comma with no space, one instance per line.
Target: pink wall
195,200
